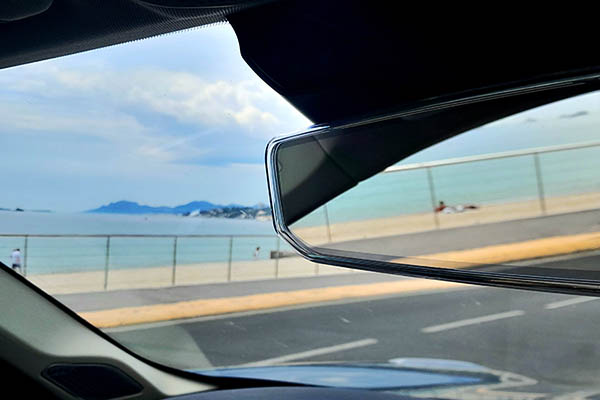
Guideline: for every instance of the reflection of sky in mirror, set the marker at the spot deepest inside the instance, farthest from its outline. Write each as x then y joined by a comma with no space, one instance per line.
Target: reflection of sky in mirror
162,121
568,121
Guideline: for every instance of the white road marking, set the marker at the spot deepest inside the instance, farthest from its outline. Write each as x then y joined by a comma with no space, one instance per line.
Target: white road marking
311,353
570,302
472,321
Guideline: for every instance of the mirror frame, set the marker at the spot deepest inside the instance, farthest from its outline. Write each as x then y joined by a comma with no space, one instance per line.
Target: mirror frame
328,256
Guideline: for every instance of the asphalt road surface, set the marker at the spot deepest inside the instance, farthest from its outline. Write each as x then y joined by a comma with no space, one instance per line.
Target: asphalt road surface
552,338
475,236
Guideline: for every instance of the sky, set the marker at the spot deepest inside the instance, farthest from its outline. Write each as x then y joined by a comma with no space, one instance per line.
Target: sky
573,120
162,121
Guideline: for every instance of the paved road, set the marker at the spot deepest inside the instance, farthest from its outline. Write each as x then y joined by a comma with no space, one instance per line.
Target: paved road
474,236
552,338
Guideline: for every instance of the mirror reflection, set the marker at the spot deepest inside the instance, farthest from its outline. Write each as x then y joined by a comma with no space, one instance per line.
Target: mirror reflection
522,191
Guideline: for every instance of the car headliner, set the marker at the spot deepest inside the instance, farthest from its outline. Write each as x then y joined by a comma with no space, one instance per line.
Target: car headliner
334,60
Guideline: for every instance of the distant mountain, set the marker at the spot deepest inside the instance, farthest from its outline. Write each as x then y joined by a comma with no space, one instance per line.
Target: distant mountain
130,207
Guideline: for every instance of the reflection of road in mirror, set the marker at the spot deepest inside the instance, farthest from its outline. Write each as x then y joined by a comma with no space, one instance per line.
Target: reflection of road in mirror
483,247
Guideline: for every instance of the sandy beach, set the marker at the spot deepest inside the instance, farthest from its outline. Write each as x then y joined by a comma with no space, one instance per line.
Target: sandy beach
192,274
412,223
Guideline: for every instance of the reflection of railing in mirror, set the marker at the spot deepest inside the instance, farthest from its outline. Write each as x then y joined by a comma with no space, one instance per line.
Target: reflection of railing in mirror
501,187
82,263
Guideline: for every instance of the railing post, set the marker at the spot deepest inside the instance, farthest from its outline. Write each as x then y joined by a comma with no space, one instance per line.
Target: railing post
277,259
540,182
106,262
327,222
25,255
229,259
174,260
432,195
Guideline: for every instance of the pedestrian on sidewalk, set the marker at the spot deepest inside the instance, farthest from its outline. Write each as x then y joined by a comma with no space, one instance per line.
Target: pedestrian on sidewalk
15,258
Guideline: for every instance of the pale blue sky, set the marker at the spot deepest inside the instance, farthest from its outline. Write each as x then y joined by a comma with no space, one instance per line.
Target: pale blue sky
162,121
572,120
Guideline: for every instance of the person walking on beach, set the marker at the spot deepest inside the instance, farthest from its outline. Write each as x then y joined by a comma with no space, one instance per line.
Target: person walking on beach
15,259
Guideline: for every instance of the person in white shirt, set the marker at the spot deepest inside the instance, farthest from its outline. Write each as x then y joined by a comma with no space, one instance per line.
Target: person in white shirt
15,258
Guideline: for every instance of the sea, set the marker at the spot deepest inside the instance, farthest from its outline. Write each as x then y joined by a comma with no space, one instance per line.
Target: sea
71,254
384,195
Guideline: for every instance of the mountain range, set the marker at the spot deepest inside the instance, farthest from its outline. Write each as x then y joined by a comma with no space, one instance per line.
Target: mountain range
130,207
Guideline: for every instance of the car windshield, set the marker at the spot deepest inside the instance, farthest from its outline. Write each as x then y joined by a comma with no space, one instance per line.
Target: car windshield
134,192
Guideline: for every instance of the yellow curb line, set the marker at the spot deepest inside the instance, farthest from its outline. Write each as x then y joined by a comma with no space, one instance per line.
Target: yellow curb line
495,254
502,253
198,308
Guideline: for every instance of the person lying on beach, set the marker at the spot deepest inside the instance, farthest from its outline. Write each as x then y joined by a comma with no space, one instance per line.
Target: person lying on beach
442,207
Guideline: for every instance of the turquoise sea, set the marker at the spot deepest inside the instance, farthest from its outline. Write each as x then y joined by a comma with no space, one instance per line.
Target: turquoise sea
65,254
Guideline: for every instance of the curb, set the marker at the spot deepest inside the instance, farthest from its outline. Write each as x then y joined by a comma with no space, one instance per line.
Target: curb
198,308
502,253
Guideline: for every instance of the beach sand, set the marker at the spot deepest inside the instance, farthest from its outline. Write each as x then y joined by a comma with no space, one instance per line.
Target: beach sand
193,274
413,223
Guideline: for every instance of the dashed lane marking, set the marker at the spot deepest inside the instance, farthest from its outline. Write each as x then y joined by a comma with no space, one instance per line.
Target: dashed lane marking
312,353
472,321
570,302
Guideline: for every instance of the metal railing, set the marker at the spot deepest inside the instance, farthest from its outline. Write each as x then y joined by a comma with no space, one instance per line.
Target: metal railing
274,255
534,153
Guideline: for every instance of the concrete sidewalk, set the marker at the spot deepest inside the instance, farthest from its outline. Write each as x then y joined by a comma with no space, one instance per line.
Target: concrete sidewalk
94,301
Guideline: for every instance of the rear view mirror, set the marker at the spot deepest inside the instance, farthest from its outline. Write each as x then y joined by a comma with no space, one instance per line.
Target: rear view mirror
498,190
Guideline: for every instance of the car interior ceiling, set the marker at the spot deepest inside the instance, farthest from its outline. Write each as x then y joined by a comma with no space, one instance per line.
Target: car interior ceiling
333,61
